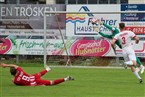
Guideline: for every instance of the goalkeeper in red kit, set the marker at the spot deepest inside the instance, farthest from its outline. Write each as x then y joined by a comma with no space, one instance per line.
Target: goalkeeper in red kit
23,79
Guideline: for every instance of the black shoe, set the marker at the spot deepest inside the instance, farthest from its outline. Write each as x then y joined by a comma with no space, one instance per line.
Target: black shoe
140,81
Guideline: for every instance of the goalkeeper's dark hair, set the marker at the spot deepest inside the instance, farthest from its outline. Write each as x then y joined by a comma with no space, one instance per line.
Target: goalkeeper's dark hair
121,25
13,71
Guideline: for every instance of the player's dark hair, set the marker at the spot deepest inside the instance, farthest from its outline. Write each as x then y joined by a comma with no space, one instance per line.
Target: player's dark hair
13,71
121,25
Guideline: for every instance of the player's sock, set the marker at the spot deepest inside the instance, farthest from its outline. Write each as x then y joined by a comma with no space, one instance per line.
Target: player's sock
68,78
137,75
55,82
41,73
47,68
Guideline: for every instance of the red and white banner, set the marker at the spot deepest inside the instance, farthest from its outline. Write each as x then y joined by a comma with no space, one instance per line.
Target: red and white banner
74,47
137,30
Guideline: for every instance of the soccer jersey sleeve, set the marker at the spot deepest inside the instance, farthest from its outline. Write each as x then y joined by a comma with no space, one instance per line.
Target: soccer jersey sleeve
132,34
108,26
105,35
19,69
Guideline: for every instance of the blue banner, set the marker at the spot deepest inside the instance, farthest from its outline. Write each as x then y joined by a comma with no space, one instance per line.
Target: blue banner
132,7
133,16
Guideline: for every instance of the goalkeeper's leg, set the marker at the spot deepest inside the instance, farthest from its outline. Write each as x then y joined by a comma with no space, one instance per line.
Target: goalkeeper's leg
141,67
41,73
54,82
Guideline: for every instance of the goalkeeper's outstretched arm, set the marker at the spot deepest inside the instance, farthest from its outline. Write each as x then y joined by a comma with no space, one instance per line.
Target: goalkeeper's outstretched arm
108,26
105,35
8,65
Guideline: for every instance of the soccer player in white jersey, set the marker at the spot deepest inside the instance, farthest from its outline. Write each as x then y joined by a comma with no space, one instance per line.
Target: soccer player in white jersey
125,38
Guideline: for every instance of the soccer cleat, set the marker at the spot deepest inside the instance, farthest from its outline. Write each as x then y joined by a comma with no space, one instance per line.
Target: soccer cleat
69,78
47,68
142,69
140,81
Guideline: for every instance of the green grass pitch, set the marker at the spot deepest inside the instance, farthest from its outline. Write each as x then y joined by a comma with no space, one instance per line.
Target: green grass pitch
89,82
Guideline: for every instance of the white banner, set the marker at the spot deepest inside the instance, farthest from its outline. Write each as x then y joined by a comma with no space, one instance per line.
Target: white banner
74,47
79,24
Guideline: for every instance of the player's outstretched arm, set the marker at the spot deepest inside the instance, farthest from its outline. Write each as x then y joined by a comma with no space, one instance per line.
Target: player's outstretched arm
108,26
105,35
8,65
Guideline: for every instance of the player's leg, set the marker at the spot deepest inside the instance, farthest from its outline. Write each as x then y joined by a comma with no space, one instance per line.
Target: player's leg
118,44
50,82
54,82
134,71
141,67
126,59
57,81
138,61
132,62
41,73
132,57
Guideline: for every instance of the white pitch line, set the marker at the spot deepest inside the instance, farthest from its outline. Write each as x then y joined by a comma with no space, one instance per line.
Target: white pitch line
111,67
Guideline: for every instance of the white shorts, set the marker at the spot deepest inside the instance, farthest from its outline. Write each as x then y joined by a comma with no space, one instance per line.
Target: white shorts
128,54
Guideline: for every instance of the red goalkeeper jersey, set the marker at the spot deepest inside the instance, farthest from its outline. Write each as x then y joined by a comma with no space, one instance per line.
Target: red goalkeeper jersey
23,78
